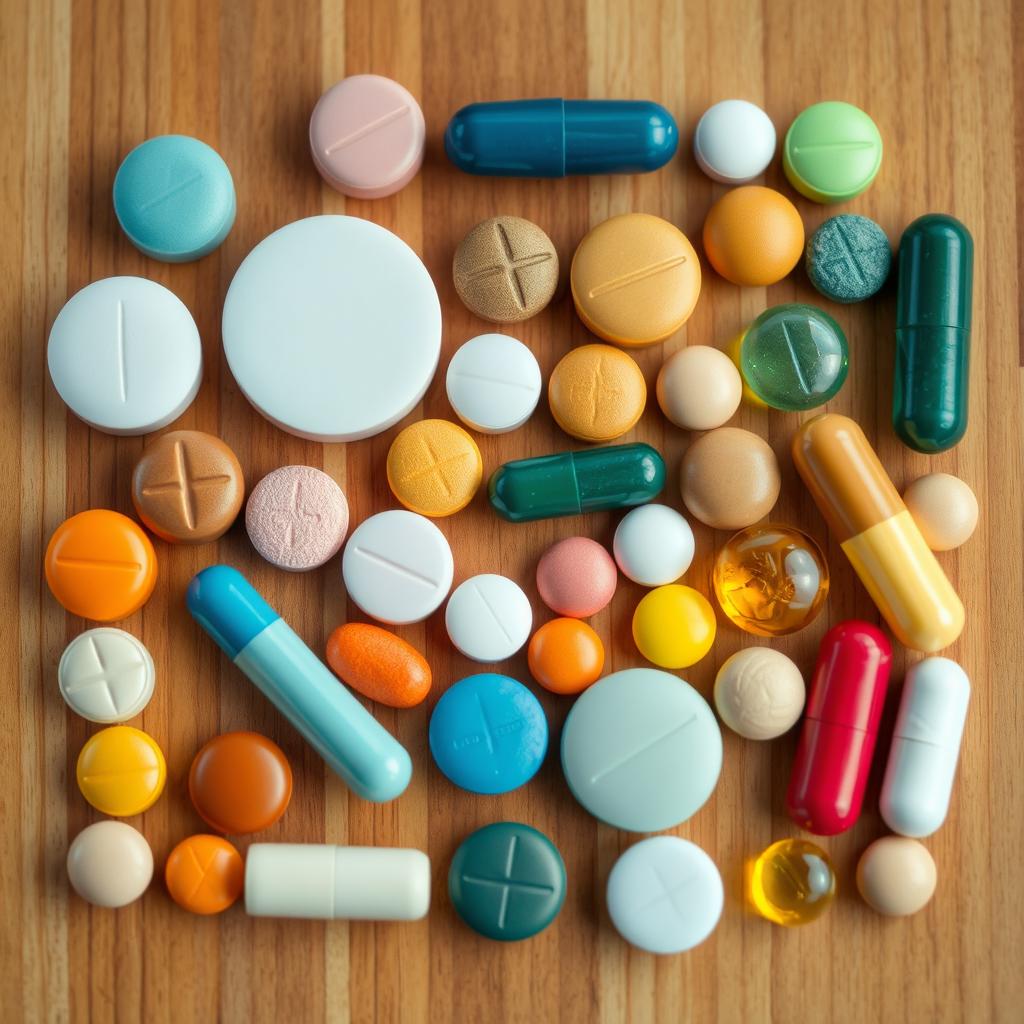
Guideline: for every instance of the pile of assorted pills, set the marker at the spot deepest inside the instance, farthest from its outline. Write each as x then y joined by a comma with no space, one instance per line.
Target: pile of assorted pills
641,749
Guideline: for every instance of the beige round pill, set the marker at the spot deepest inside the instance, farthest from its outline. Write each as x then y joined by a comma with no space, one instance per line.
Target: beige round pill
759,693
699,388
110,864
944,508
730,478
505,270
896,876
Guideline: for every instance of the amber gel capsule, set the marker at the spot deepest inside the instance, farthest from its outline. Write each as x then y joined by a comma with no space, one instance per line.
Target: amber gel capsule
877,533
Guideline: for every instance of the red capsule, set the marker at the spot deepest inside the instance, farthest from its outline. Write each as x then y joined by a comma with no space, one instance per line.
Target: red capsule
833,757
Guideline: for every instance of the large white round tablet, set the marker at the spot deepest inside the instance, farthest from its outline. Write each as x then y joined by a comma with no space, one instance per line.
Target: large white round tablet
488,617
106,675
641,750
332,328
493,383
734,141
125,356
653,545
397,567
665,895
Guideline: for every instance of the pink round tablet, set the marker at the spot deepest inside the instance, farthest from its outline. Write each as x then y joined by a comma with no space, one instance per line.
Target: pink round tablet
297,517
367,134
576,577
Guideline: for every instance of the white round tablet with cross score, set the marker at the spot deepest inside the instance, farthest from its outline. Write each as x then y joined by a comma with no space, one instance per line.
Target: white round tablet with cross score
665,895
488,617
493,383
106,675
125,356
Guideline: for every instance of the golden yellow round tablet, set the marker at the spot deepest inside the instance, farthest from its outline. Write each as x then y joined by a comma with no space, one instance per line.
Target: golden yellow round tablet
596,393
434,468
121,771
635,279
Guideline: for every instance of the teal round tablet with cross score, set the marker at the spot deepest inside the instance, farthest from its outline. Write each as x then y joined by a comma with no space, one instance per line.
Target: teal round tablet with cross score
507,881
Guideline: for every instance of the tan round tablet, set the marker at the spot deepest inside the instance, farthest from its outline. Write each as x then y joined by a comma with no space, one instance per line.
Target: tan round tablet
896,876
597,393
730,478
759,693
944,508
505,270
699,388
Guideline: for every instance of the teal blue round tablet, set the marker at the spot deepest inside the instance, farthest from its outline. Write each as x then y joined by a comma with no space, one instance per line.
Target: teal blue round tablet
507,881
848,258
174,198
488,733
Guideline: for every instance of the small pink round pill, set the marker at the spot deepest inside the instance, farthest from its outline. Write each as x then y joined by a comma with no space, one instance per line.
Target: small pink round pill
576,577
297,517
367,135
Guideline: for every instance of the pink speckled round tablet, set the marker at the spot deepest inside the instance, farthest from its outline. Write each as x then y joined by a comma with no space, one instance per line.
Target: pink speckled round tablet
367,135
576,577
297,517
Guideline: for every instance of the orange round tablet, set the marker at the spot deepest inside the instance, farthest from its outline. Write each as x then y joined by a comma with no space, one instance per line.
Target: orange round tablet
753,236
240,782
378,664
565,656
100,565
204,874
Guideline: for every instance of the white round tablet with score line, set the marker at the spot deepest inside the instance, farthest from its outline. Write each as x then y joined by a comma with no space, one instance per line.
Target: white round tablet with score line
106,675
488,617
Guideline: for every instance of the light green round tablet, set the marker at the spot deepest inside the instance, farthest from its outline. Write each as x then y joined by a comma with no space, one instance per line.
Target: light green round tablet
832,152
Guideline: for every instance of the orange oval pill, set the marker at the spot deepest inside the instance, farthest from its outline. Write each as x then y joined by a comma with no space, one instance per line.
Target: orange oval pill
240,782
100,565
565,656
379,664
204,874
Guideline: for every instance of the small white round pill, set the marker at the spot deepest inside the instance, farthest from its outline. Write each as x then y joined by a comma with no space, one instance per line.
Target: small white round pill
125,356
759,693
488,617
397,567
110,864
734,141
106,675
653,545
493,383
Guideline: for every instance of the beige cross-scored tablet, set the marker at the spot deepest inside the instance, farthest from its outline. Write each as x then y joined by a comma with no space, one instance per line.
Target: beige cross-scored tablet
106,675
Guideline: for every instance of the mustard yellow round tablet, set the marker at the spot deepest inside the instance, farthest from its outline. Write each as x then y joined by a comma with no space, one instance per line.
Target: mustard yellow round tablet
674,626
121,771
635,279
434,468
596,393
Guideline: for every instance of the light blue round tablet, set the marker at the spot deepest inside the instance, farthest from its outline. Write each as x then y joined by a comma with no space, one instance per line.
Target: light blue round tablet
174,198
488,733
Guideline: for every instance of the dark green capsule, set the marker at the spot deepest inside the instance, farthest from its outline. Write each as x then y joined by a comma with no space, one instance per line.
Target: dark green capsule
933,333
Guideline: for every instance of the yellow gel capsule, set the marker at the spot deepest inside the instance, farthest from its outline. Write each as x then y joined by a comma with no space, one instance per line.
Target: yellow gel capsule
434,468
121,771
674,626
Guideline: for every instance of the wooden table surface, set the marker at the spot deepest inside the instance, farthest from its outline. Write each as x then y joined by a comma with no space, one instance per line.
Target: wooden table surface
84,82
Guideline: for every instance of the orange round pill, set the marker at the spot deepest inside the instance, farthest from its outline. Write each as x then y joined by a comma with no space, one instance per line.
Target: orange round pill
378,664
565,656
100,565
434,468
240,782
204,874
753,236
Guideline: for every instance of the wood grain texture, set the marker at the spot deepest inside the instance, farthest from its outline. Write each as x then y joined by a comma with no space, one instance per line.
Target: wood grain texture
84,82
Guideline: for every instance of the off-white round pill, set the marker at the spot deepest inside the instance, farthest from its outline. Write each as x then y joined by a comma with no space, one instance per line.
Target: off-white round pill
653,545
106,675
699,388
759,693
734,141
110,864
125,356
944,508
488,617
493,383
397,567
896,876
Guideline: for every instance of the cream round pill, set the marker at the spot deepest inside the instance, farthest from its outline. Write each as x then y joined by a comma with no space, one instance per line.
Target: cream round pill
488,617
110,864
734,141
699,388
106,675
332,328
896,876
397,567
653,545
493,383
944,508
124,355
759,693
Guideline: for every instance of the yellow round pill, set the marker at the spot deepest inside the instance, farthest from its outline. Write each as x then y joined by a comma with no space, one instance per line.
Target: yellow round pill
434,468
121,771
597,393
674,626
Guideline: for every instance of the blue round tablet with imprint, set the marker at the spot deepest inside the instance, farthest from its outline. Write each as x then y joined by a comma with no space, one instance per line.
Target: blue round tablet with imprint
488,733
174,198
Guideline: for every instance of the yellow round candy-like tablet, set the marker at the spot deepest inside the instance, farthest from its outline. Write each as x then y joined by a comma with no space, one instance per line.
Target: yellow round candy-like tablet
121,771
434,468
674,626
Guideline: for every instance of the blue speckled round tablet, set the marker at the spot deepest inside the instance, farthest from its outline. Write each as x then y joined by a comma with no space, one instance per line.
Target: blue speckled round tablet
848,258
174,198
488,733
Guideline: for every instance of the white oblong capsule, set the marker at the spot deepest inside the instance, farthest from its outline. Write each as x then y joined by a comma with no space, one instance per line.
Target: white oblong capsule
925,747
